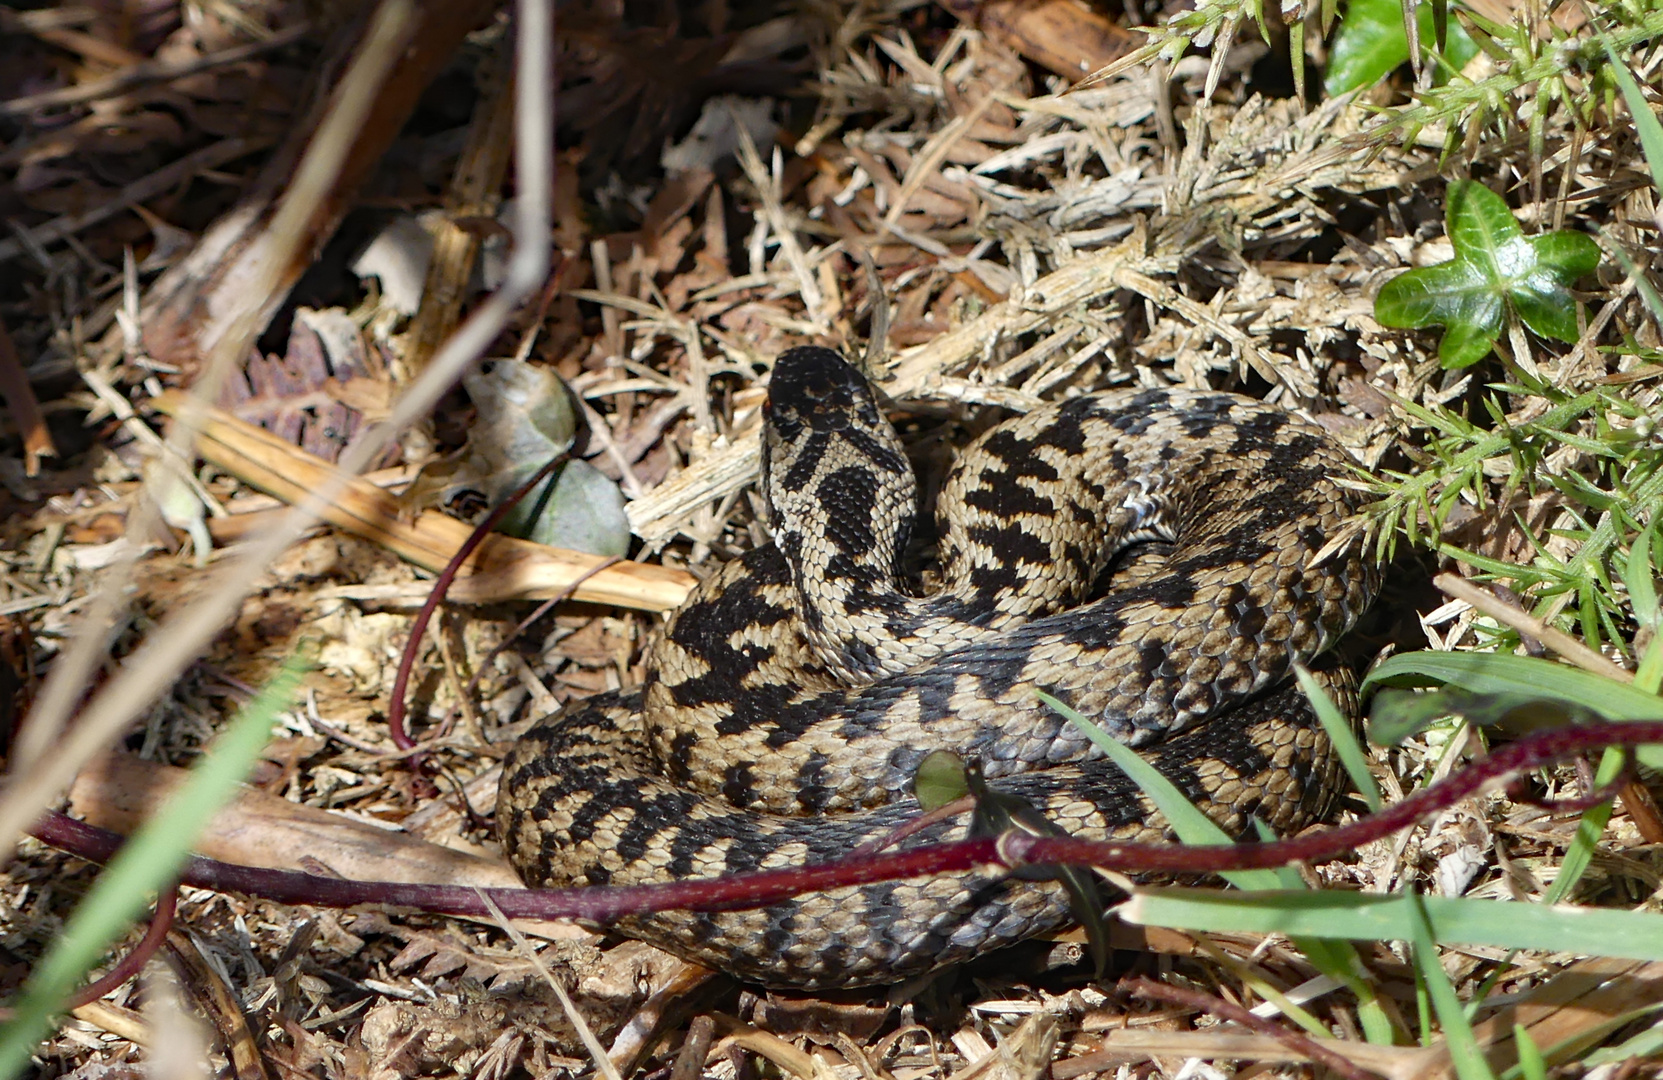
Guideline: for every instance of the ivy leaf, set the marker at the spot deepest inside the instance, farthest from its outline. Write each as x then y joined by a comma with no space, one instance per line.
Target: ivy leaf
1370,44
1496,270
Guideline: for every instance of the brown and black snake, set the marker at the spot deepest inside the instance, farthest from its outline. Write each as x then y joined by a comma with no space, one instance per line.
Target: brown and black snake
791,697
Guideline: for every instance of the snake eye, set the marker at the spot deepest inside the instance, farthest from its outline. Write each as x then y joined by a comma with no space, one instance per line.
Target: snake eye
787,423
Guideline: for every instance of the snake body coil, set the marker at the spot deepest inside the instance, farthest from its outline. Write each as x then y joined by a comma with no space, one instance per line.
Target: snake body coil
792,696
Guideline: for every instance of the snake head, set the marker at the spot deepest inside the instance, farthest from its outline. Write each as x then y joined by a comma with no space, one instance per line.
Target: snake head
822,416
813,388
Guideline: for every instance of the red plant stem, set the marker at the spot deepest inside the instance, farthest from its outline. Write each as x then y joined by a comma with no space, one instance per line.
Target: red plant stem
603,904
441,585
1296,1041
167,903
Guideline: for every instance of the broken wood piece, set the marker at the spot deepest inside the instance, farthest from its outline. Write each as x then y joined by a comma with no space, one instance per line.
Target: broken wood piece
1127,1045
116,1019
221,1004
501,568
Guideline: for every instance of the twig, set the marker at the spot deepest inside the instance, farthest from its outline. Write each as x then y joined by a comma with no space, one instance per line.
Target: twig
436,596
963,805
689,1063
503,568
150,71
603,1064
166,652
1202,1002
537,613
1525,623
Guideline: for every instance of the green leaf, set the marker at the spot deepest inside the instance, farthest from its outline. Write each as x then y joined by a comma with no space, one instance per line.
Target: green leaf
1496,269
1571,254
1540,296
1466,343
1526,676
1371,43
526,417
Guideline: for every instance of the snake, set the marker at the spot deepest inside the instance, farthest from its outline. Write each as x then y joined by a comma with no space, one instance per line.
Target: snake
1159,559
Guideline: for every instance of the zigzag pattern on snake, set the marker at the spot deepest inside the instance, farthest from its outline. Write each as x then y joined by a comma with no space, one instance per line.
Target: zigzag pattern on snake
791,697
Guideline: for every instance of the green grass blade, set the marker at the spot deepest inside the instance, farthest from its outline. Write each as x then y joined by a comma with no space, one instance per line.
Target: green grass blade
1499,673
1654,303
1637,579
1335,958
1634,935
1463,1046
1344,737
1371,1011
1648,1045
1645,121
1580,853
148,862
1650,672
1191,825
1531,1066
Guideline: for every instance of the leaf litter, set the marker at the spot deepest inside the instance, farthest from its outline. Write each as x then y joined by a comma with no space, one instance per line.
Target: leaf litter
856,170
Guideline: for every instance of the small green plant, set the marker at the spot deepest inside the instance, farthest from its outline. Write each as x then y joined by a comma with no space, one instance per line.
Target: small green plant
1497,273
1594,449
1537,69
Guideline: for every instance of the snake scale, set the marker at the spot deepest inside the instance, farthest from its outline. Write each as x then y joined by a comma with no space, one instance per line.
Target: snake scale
790,698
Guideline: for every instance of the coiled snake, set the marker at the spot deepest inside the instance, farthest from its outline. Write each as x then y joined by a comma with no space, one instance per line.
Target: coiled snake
791,697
